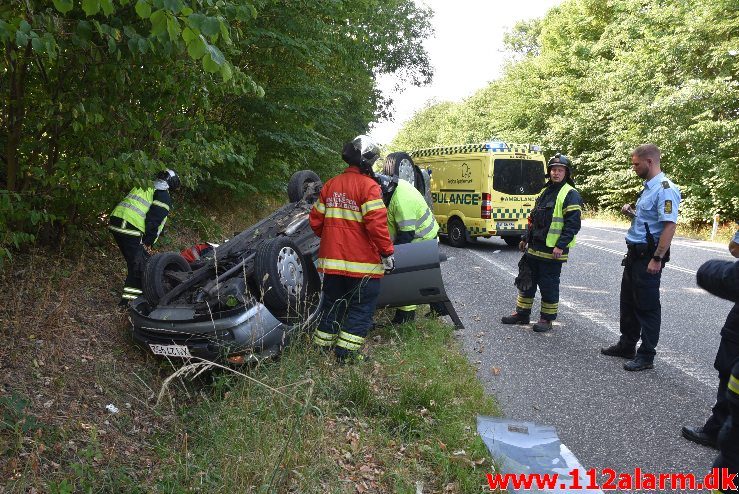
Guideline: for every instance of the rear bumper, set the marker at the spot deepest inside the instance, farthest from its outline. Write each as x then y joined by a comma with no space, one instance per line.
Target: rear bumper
246,331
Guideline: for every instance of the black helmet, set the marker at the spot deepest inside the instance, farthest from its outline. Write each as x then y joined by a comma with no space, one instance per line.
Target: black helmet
561,160
388,185
362,151
171,177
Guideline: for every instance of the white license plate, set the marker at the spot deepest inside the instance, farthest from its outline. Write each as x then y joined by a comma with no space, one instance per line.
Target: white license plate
170,350
505,224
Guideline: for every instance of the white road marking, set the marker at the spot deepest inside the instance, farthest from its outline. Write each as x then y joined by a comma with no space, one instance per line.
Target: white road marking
621,253
678,360
693,244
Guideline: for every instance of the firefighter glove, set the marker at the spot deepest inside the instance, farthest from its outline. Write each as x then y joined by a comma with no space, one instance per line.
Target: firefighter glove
524,281
388,263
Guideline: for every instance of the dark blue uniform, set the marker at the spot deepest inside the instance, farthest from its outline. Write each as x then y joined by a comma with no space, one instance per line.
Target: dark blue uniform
640,308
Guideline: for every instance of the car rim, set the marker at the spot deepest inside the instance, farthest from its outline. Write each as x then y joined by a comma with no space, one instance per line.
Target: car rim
291,270
456,233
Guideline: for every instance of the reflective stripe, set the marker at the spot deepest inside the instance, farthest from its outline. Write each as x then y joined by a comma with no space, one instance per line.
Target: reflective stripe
351,337
547,308
372,205
423,218
323,339
344,214
426,231
133,233
575,207
319,207
545,255
524,302
349,341
408,308
160,204
137,291
734,384
351,267
407,223
133,208
139,199
129,296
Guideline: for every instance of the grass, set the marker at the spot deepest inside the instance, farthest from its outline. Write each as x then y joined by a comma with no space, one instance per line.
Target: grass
406,416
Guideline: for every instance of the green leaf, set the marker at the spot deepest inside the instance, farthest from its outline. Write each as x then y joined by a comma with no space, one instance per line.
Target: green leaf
195,21
188,35
38,45
111,45
226,73
216,55
91,7
21,38
197,48
158,22
209,65
224,33
186,11
25,27
173,5
210,26
64,6
173,28
143,9
107,6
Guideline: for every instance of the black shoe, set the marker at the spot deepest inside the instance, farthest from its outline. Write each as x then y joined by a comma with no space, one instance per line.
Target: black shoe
543,326
515,318
619,351
638,364
698,435
403,316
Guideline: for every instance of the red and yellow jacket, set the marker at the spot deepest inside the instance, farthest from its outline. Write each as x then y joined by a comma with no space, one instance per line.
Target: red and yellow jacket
351,220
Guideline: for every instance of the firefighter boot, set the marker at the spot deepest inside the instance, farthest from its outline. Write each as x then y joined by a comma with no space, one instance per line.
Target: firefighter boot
515,318
543,326
403,316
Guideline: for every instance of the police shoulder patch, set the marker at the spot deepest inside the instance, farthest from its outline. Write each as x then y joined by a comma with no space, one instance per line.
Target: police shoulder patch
668,207
665,184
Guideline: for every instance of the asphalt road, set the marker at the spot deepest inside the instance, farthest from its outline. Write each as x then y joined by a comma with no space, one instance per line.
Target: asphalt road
608,417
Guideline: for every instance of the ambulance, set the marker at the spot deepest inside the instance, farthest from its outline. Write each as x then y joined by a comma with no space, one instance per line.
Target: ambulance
483,190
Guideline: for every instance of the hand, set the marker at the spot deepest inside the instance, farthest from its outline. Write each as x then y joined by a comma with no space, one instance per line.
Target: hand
628,210
388,263
654,267
522,245
556,253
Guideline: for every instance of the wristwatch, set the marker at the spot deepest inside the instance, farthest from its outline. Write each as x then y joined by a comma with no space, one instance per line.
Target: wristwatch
657,258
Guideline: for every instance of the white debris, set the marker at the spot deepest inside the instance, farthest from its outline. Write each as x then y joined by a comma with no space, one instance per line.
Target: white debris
111,408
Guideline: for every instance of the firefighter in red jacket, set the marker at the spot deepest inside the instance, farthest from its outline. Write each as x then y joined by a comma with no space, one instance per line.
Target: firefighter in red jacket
355,251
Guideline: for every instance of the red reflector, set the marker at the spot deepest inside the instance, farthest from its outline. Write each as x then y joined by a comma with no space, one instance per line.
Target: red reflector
486,206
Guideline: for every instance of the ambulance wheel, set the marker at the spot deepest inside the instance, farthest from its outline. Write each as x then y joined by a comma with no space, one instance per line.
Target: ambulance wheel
512,241
163,272
457,233
299,182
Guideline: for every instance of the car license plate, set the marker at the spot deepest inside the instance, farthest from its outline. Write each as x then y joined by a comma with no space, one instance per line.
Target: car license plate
170,350
500,225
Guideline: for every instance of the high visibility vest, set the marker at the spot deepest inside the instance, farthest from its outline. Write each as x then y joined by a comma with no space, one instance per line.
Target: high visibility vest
409,212
133,208
558,221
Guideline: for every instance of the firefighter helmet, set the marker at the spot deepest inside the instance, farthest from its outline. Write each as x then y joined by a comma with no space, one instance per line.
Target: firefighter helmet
362,151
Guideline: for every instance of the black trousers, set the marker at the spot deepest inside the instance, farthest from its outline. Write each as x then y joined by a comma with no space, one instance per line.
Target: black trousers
728,438
640,308
728,352
135,256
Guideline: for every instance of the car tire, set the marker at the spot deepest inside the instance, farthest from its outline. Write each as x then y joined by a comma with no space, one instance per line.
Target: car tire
457,233
157,280
282,276
298,182
512,241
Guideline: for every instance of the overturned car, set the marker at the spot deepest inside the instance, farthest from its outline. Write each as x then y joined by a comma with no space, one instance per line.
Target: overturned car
253,292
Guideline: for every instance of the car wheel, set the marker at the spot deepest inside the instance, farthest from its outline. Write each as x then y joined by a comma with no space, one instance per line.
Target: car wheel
162,273
512,241
282,276
457,233
298,183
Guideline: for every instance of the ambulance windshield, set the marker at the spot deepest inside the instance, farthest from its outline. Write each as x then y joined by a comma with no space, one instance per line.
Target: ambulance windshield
518,177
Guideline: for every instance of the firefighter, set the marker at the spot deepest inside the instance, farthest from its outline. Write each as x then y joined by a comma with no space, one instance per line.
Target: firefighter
355,251
553,223
136,223
408,215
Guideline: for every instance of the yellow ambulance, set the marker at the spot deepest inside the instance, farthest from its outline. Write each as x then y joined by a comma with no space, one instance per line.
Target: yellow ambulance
483,190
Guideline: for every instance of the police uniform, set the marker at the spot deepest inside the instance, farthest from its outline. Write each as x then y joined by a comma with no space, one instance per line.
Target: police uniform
640,309
136,221
555,220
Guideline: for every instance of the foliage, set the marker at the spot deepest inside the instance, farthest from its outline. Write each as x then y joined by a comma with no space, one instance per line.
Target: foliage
595,79
235,95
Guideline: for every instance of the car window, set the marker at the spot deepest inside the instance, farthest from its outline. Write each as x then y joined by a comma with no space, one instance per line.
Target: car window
518,177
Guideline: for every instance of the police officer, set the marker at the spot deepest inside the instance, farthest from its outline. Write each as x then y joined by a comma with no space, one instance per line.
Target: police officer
728,352
648,244
553,223
355,251
136,223
409,218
